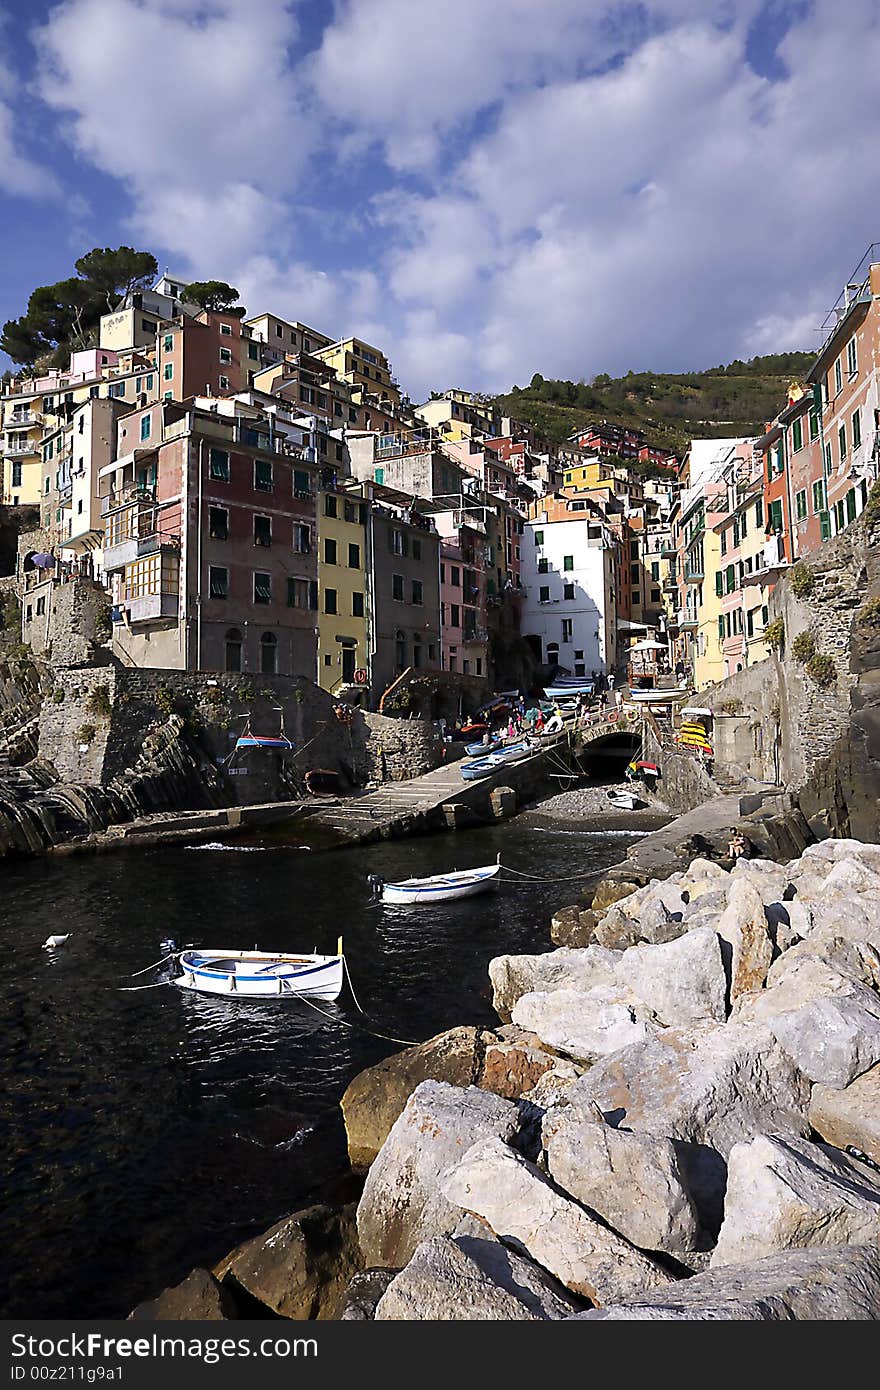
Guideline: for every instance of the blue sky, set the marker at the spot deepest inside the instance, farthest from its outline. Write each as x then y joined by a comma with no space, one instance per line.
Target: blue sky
486,188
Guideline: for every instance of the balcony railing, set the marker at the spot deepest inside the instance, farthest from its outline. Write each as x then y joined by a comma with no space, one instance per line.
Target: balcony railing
22,420
21,450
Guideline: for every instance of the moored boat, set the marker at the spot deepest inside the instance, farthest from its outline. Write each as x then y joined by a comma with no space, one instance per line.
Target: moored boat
461,883
482,750
261,974
625,801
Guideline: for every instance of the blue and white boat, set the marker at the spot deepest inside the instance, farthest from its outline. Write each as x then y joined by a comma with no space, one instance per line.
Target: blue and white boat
477,768
509,753
439,888
261,974
482,750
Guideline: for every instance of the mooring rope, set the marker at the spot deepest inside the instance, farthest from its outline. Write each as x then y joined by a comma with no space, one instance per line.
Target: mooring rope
538,878
156,963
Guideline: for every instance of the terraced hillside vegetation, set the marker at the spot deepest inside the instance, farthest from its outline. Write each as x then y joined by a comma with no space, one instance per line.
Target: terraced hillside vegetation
671,408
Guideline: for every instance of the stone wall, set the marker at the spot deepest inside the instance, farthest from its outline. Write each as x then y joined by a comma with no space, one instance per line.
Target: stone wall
400,748
815,732
94,721
66,622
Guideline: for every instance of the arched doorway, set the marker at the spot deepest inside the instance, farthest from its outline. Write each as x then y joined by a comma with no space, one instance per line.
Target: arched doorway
268,654
233,649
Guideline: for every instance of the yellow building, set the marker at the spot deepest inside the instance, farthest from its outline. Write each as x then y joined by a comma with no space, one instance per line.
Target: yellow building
360,364
343,605
22,423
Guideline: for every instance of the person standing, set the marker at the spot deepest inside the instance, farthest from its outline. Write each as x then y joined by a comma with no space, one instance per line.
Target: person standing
610,680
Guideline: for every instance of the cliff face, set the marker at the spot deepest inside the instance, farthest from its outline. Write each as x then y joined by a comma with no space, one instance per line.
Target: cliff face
809,716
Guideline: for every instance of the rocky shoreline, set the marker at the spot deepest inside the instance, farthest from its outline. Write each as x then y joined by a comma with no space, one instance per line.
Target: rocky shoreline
677,1119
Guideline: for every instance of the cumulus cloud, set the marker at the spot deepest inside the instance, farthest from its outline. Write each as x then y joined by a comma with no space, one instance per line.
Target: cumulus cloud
20,175
567,187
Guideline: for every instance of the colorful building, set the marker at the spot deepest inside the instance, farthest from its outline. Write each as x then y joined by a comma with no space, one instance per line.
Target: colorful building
343,596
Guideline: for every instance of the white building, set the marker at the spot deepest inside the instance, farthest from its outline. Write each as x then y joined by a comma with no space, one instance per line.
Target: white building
567,570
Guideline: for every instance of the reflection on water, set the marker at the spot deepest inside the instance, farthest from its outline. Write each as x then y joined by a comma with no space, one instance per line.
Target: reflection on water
149,1131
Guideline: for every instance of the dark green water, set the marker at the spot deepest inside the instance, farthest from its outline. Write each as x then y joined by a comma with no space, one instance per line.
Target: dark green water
147,1133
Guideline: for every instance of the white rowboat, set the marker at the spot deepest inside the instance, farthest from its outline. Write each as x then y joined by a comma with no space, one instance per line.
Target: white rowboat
439,888
261,974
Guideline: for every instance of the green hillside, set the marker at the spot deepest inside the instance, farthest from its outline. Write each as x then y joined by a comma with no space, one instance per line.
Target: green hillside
670,408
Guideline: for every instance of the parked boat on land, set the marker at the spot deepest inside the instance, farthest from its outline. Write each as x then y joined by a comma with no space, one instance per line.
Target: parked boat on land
438,888
476,750
625,801
658,697
261,974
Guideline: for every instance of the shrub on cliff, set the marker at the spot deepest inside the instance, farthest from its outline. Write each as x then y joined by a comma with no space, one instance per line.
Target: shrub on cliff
803,647
801,580
821,669
774,634
869,613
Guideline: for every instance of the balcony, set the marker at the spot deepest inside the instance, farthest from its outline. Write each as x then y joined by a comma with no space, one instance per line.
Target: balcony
696,576
150,607
473,635
14,451
22,420
686,619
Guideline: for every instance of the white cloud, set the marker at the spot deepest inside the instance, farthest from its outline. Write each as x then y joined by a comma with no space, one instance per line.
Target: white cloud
19,175
540,207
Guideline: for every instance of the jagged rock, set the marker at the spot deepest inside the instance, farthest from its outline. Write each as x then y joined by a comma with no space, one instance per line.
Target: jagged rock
709,902
197,1298
512,1068
634,1183
706,1088
833,1039
833,850
681,981
523,1209
363,1294
584,1024
402,1202
513,976
555,1084
850,1116
376,1096
468,1278
836,1285
743,925
572,926
301,1267
785,1193
793,981
659,922
612,890
616,930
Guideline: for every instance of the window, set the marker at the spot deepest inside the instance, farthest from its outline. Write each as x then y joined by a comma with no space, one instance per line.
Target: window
851,505
543,566
797,436
852,365
354,556
828,460
416,549
168,342
819,496
268,653
720,627
149,382
330,601
262,587
744,525
719,583
417,591
566,629
168,395
544,594
442,574
539,538
168,371
302,484
302,539
633,574
568,591
218,581
838,376
454,615
400,649
398,543
224,383
232,644
329,552
330,505
397,586
568,562
298,593
841,440
814,425
723,545
218,523
263,478
856,429
218,465
262,530
357,605
800,505
146,426
253,352
655,570
226,330
729,579
225,356
774,517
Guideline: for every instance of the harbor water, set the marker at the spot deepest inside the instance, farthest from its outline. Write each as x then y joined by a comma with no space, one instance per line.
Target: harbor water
147,1132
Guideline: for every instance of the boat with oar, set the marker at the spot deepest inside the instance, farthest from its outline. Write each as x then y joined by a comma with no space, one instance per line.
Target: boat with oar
261,974
438,888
